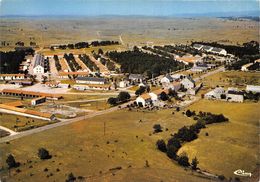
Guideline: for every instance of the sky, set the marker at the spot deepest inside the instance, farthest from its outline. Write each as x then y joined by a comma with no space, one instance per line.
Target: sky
129,7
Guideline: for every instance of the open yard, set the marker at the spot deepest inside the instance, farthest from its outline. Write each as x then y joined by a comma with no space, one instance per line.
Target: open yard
229,146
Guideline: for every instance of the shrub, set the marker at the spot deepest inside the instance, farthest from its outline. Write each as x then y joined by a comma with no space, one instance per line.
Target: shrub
44,154
221,177
194,163
161,145
157,128
171,152
71,178
112,101
11,161
174,141
183,160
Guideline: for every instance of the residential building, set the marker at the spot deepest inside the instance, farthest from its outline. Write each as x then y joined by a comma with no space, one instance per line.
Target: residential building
123,84
38,67
90,80
235,96
253,88
38,100
215,94
188,82
136,77
219,51
68,74
92,87
197,46
167,79
174,86
144,100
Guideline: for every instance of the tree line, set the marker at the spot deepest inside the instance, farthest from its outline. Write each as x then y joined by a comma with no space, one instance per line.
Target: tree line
81,45
188,134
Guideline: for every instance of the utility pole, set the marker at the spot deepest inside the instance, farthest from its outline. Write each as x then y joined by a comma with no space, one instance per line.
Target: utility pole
104,128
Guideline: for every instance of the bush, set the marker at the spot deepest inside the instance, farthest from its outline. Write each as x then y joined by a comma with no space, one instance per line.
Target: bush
171,152
43,154
194,163
11,161
221,177
161,145
112,101
157,128
123,96
71,178
183,160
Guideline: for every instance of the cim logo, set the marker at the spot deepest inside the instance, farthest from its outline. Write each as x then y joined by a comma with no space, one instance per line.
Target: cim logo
241,172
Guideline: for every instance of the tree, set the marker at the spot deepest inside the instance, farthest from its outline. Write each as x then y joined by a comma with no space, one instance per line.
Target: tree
188,113
171,152
11,161
44,154
140,91
71,178
112,101
183,160
157,128
164,96
161,145
194,163
174,141
100,51
123,96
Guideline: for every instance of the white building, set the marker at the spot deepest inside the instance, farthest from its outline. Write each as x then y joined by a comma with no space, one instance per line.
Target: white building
219,51
144,100
136,77
215,94
175,86
253,88
123,84
167,79
235,96
188,82
38,67
90,80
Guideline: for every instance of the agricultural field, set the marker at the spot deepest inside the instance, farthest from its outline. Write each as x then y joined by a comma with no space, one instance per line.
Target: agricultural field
231,145
126,142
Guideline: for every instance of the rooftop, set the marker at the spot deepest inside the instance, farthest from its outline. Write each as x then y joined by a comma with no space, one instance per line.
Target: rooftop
94,79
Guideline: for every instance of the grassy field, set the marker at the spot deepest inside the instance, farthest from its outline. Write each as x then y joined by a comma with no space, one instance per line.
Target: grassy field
229,146
24,123
233,78
93,105
82,148
133,30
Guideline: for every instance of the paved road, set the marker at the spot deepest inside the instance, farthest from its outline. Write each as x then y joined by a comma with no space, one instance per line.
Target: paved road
65,122
210,73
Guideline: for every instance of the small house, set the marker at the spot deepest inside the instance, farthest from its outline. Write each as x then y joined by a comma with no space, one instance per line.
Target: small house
188,82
